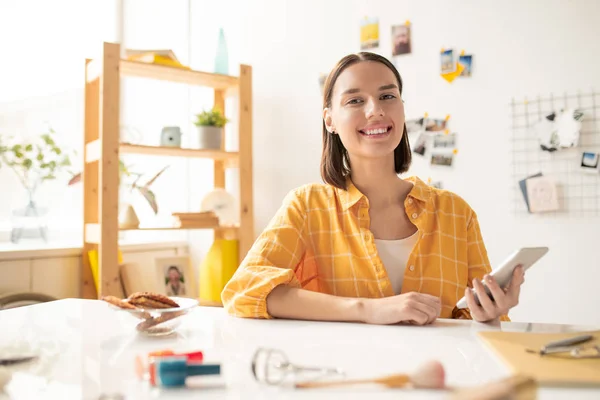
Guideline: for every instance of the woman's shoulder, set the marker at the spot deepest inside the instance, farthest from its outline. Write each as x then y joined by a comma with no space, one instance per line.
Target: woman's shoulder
443,199
310,194
451,202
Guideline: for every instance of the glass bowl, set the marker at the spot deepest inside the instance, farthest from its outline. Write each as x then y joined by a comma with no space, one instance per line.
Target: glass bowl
157,321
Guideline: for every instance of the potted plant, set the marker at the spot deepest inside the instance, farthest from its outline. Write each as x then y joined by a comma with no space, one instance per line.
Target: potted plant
34,161
129,183
210,125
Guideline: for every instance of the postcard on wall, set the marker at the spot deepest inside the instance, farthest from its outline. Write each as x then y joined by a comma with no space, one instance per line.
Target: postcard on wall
447,61
444,141
401,39
420,146
542,194
590,162
442,159
369,33
435,125
466,60
415,125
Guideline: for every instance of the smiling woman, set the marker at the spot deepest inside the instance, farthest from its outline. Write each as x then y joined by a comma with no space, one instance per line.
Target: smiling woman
368,245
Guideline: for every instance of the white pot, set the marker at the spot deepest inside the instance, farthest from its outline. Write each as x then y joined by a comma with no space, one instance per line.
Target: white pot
210,137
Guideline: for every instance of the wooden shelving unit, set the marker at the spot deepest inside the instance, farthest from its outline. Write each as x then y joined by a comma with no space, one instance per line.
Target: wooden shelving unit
102,149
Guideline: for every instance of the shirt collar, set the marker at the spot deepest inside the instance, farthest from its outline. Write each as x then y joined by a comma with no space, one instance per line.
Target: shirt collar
349,197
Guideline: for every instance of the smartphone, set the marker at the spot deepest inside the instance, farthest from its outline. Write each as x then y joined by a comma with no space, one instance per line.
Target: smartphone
526,256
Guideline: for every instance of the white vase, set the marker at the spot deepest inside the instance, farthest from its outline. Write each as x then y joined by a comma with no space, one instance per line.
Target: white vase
210,137
128,218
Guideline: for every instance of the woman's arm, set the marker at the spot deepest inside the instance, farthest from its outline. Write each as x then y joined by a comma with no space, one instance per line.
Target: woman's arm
272,261
294,303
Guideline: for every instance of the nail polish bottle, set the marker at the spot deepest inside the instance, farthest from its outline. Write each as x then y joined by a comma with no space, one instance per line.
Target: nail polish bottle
173,371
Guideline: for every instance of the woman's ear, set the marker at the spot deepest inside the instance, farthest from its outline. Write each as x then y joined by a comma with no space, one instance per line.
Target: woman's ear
328,120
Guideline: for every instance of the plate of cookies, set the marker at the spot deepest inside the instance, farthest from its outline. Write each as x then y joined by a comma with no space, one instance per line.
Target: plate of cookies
158,314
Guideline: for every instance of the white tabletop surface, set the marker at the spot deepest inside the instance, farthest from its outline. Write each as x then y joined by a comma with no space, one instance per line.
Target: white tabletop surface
86,350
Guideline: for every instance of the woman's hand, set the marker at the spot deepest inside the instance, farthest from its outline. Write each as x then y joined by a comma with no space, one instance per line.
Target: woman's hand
501,301
415,308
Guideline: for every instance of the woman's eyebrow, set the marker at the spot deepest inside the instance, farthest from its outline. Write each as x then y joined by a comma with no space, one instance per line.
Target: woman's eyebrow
390,86
385,87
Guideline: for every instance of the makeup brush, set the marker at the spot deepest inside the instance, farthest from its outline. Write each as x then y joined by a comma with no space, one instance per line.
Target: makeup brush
430,375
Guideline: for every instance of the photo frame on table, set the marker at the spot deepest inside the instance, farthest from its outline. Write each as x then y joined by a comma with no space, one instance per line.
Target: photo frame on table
175,276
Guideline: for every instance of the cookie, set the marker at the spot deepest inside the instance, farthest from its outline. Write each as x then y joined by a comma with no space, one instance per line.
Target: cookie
151,300
115,301
153,322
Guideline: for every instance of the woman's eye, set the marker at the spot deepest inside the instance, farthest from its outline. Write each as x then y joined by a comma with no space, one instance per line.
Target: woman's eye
354,101
388,96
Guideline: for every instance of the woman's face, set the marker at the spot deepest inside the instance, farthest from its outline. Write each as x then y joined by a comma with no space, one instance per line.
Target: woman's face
173,276
366,110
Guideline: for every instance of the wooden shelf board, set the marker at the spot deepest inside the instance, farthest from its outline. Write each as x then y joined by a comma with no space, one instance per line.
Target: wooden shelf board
174,74
92,231
231,157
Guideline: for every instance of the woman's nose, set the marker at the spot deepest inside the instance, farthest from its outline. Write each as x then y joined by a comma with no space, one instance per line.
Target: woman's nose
374,109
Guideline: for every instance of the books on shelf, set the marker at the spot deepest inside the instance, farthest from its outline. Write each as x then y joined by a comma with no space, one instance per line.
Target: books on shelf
159,56
196,219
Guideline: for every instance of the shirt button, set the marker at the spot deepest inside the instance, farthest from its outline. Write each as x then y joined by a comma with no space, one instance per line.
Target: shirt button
415,215
410,201
412,267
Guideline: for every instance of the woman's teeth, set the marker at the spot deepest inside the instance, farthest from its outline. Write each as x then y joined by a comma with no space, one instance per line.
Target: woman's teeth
375,131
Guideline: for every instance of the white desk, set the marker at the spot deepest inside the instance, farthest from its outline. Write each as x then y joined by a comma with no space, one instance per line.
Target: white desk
87,351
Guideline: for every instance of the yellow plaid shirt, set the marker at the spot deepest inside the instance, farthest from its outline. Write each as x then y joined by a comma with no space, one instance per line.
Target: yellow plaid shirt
320,240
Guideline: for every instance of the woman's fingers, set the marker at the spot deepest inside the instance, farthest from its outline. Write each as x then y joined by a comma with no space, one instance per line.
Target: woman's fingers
484,299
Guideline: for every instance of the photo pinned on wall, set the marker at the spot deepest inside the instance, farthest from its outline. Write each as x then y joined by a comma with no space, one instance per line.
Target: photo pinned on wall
322,79
590,161
442,159
542,193
435,184
450,68
175,276
369,33
415,125
401,39
466,60
420,145
435,124
444,140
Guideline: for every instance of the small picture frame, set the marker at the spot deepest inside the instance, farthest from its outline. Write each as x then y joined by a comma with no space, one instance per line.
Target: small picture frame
589,162
175,276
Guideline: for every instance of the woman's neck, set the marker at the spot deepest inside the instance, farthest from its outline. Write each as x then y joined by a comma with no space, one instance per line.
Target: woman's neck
377,179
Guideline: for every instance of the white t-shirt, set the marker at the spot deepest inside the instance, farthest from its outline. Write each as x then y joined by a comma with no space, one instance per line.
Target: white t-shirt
394,254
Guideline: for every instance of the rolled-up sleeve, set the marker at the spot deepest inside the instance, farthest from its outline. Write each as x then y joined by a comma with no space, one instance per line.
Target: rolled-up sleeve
271,261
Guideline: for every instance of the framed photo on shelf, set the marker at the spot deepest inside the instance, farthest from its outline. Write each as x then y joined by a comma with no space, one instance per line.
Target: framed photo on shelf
175,276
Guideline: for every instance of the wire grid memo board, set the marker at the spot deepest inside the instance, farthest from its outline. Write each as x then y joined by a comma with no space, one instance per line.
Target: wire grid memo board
578,191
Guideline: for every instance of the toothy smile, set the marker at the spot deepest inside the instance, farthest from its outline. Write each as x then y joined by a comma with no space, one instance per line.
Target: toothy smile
378,130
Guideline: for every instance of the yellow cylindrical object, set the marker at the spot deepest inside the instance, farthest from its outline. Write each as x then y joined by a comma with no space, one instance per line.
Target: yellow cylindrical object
217,268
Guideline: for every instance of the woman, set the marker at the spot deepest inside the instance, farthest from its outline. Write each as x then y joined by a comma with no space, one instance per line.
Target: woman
368,246
174,286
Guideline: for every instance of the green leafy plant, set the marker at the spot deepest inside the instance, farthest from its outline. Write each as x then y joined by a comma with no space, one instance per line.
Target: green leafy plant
34,161
212,117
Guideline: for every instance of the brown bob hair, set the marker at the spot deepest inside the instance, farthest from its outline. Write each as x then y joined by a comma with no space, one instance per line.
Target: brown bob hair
335,163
